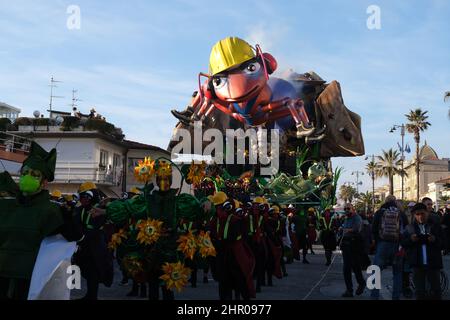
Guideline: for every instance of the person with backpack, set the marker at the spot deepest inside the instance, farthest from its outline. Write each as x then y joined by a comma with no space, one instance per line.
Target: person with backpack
387,227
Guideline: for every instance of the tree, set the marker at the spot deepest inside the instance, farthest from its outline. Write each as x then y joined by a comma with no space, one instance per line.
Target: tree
347,193
364,201
417,123
446,98
372,170
388,165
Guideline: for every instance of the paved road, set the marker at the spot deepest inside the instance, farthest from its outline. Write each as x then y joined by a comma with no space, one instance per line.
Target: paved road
312,281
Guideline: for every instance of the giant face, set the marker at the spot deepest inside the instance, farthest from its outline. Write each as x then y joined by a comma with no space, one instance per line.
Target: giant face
240,84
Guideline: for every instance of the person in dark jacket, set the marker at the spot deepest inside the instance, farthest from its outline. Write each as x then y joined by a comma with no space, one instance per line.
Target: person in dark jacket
328,227
352,247
423,242
446,230
93,256
387,227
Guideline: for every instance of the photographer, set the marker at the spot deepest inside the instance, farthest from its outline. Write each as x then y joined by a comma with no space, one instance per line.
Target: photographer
423,241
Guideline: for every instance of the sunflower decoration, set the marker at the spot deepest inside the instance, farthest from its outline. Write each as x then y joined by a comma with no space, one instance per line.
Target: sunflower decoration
134,266
176,275
196,173
149,231
205,245
116,239
145,170
163,169
187,244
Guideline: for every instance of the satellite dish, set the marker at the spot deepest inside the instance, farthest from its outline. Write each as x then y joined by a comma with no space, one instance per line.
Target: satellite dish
36,114
59,120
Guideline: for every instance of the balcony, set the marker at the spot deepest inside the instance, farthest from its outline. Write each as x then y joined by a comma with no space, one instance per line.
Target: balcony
81,171
13,147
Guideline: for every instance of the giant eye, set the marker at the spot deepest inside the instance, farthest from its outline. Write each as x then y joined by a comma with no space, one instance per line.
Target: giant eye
252,67
219,82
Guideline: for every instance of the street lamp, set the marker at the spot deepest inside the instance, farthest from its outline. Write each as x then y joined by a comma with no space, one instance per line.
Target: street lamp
402,150
357,173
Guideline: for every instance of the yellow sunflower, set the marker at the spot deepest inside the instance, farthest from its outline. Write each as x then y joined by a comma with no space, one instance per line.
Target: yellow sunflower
188,245
196,173
149,231
116,239
205,245
176,275
145,170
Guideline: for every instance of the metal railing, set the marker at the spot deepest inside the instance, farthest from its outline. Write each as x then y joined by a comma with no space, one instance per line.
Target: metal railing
78,171
13,143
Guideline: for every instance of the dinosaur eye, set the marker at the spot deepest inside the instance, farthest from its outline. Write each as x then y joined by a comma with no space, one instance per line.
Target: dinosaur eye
219,82
252,67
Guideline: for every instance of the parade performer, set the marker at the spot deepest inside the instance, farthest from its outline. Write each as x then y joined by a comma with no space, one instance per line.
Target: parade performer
295,249
328,227
234,260
148,243
300,221
27,217
93,256
311,229
257,239
272,226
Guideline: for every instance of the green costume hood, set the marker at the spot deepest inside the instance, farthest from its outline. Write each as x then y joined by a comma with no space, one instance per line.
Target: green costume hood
7,184
41,160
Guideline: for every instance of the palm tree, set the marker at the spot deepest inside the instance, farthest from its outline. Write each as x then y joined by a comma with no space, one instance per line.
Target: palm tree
446,98
388,165
347,193
372,170
417,123
364,201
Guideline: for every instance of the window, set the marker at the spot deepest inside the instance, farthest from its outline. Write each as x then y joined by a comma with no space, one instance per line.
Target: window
117,160
103,159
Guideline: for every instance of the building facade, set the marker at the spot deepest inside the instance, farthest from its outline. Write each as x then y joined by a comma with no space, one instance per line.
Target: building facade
432,168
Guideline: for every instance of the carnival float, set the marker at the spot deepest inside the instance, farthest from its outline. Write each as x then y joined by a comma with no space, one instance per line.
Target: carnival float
240,92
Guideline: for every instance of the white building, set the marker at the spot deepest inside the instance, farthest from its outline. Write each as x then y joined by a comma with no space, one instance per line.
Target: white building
432,168
10,112
439,189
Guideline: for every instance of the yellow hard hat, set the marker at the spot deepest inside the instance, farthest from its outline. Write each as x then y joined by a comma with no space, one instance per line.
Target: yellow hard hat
85,186
68,197
311,210
260,200
237,204
56,194
229,52
276,208
135,190
218,198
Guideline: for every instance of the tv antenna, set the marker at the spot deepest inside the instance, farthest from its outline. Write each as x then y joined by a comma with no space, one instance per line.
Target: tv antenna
74,99
53,85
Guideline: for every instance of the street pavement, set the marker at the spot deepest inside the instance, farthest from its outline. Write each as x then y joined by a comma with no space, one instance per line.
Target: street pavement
313,281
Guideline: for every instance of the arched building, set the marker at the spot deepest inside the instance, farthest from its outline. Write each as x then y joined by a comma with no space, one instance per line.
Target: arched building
431,169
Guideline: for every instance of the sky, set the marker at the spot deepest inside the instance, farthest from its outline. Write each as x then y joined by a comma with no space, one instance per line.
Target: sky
134,61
